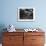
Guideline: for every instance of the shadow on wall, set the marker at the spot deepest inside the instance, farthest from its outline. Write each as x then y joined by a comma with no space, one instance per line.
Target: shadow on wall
2,26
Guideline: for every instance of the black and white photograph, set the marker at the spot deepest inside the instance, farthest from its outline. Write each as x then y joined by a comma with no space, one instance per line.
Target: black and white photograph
26,14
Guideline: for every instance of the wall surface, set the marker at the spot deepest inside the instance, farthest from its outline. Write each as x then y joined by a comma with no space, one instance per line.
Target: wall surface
8,13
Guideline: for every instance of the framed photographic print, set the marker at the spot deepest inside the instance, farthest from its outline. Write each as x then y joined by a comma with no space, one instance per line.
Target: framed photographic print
26,14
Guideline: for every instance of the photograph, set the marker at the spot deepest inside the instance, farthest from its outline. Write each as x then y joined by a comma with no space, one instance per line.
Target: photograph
26,14
22,23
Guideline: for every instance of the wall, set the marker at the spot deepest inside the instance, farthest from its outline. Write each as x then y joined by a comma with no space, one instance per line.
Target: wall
8,9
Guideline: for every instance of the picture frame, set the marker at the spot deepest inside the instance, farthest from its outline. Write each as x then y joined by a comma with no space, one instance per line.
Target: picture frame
26,14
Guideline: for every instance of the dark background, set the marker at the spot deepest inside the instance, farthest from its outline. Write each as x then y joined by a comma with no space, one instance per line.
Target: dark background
26,13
